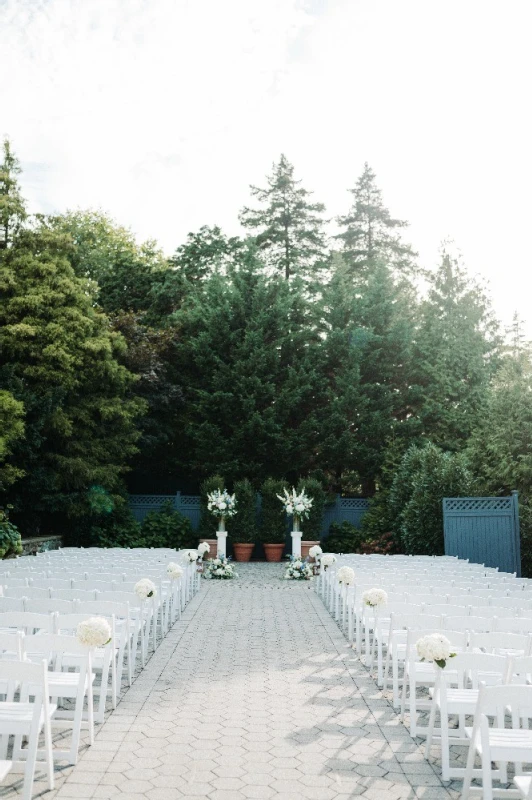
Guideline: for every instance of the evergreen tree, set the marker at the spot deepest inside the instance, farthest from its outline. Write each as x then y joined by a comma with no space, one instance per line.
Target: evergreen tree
12,205
370,234
11,429
456,354
108,254
60,361
289,229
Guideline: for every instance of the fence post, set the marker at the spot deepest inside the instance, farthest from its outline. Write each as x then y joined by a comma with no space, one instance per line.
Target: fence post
515,503
177,501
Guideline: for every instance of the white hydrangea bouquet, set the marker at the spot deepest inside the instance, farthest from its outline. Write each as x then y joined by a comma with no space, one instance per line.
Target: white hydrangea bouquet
346,576
296,505
315,551
203,548
298,569
327,560
174,571
190,556
145,588
221,504
219,569
94,632
435,647
375,598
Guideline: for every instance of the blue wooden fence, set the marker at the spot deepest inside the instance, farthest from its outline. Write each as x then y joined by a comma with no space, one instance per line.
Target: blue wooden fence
351,509
484,530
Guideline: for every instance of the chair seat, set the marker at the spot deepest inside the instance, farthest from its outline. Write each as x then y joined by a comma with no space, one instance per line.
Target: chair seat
5,768
460,701
17,717
507,744
524,784
65,684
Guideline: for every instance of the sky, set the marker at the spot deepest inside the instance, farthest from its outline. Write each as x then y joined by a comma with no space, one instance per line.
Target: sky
162,112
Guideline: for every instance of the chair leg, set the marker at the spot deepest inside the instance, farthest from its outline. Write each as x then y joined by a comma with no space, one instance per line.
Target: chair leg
430,731
468,775
487,786
29,767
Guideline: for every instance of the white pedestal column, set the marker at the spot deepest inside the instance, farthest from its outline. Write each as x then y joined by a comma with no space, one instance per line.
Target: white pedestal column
296,543
222,543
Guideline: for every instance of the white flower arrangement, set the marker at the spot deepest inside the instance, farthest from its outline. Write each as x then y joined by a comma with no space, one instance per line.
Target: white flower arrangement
315,551
298,569
203,548
221,504
328,559
297,505
189,556
434,647
174,571
375,598
145,588
94,632
219,568
346,575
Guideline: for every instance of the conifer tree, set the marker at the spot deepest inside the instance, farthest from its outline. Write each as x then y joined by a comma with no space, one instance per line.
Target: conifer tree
288,228
456,354
12,205
370,233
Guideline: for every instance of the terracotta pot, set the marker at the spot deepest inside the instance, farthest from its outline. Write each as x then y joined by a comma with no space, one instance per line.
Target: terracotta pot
241,551
305,547
274,552
213,544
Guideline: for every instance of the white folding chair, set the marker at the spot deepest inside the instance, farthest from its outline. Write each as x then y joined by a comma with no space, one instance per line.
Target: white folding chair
455,694
498,743
63,653
24,718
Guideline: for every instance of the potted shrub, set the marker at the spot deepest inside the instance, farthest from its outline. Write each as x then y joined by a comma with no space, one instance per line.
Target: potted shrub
312,525
243,526
273,519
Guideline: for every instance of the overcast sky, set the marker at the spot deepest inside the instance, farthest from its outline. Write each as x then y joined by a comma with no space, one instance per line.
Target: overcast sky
162,112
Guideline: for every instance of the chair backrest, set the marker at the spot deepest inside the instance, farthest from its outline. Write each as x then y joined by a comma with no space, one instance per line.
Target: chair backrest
500,642
25,591
520,670
104,608
72,594
469,670
495,700
415,621
50,583
15,604
446,610
11,645
509,624
20,676
468,623
26,621
48,606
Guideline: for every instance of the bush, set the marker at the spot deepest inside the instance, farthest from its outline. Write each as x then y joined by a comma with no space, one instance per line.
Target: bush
416,500
117,529
273,527
343,537
243,526
208,522
311,527
10,538
166,527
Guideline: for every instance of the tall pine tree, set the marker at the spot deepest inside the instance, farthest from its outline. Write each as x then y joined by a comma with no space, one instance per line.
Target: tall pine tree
12,205
370,234
288,228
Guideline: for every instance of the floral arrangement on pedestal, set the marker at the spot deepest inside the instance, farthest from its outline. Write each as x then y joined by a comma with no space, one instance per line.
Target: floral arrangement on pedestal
219,569
435,647
298,569
296,505
221,504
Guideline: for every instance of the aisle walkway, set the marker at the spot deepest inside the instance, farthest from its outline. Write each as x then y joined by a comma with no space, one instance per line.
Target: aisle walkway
254,694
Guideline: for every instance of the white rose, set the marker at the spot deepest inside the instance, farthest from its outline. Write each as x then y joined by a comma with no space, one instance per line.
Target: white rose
300,507
145,588
375,598
222,506
315,551
174,570
346,575
328,559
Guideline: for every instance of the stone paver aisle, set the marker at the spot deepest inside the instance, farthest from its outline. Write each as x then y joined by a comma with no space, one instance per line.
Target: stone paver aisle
254,694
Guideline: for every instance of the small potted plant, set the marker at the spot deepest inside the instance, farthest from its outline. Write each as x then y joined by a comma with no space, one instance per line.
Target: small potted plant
273,520
243,527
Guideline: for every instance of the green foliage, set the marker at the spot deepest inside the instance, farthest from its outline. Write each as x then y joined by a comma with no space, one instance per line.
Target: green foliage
116,528
344,537
425,477
289,229
10,539
243,524
208,523
11,429
311,526
166,527
274,527
12,205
